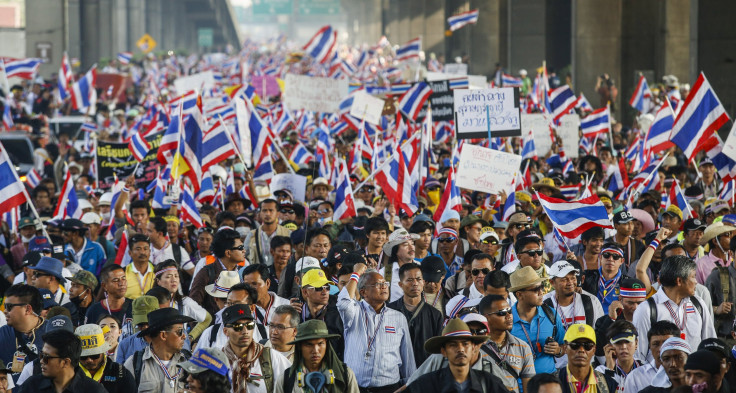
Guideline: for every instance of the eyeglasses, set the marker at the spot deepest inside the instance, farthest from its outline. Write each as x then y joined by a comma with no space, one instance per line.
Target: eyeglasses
9,306
239,248
90,357
485,271
280,328
179,332
366,189
319,289
532,253
44,357
522,226
535,289
478,332
576,345
39,274
613,256
501,313
324,211
492,242
446,239
383,284
238,327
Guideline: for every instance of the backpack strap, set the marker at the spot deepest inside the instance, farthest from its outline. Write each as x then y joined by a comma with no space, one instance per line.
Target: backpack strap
725,282
138,366
258,246
267,369
288,385
551,316
588,308
177,253
652,311
503,364
213,333
262,330
697,305
388,274
548,301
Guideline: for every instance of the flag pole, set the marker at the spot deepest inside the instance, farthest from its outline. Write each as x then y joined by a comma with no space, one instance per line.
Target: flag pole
384,163
610,129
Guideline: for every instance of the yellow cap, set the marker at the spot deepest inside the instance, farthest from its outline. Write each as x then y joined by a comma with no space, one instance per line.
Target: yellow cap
315,278
605,199
523,196
578,331
673,209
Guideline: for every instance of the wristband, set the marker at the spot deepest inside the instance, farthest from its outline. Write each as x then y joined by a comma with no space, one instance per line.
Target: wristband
355,277
654,244
126,189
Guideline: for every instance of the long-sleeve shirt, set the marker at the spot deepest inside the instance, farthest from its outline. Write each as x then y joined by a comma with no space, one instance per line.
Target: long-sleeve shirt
391,342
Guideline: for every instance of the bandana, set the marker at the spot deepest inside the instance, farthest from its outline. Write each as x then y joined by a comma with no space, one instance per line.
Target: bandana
448,231
241,367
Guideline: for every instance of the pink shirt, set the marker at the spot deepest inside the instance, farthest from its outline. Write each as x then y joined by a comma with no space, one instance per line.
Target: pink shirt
706,264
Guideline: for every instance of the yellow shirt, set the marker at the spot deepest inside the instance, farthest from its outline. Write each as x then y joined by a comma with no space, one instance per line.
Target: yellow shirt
591,386
138,286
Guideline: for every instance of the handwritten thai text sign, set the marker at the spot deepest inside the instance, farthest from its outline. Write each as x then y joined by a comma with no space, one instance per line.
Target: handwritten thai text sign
475,107
314,93
486,170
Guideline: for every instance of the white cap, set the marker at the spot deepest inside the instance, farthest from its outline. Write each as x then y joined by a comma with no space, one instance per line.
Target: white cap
105,199
489,233
91,218
474,317
305,263
561,269
459,302
84,204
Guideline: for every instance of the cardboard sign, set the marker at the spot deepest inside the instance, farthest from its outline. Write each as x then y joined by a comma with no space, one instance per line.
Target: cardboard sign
475,107
315,94
569,132
486,170
297,184
441,100
367,107
200,81
117,159
537,123
729,147
456,68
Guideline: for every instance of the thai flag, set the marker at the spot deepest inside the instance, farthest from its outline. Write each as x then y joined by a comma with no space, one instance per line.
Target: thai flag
300,154
320,47
444,131
390,329
570,191
159,194
528,150
597,122
123,257
83,91
642,98
658,136
216,146
125,57
410,104
619,179
562,101
22,68
190,154
727,192
583,104
11,218
450,197
139,146
33,178
586,145
68,205
677,198
189,103
189,210
344,202
244,91
410,50
88,127
462,19
509,207
65,78
459,83
226,112
510,81
574,218
169,141
645,179
260,137
12,190
701,115
8,122
206,192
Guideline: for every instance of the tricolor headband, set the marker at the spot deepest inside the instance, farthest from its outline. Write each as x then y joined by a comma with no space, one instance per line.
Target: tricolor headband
448,231
458,333
633,293
168,269
612,250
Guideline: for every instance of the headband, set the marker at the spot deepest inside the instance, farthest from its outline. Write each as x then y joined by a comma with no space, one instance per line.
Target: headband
448,231
675,343
613,250
633,292
168,269
458,307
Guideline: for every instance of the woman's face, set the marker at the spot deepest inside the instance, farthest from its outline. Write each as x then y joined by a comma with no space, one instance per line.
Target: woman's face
169,280
113,335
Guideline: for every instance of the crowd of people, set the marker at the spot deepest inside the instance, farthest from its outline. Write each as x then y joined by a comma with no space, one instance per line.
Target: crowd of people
271,293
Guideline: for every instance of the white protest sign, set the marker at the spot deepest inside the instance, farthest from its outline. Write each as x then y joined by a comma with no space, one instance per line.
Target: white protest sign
200,81
456,68
296,184
729,147
367,107
537,123
569,132
314,93
475,107
486,170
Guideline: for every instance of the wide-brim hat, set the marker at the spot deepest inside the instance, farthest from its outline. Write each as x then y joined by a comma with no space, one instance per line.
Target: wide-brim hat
712,231
548,183
222,285
397,237
93,340
311,330
50,266
456,329
204,359
235,197
524,278
321,181
646,220
163,318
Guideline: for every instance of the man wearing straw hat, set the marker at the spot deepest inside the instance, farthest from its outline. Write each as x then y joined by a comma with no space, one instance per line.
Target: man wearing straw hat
456,344
96,365
314,353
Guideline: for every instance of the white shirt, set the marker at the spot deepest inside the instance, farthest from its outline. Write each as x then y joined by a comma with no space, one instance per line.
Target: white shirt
514,265
396,291
158,256
640,378
696,327
473,292
276,301
192,309
573,313
279,364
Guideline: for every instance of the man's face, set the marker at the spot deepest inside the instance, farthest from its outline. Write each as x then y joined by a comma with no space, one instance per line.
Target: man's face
692,238
281,330
376,238
204,241
458,352
690,284
281,255
412,283
446,243
287,214
630,306
319,247
319,295
424,241
453,223
376,288
514,229
694,377
314,350
532,296
116,283
52,366
92,362
320,191
673,362
69,236
433,287
235,253
242,338
42,200
708,171
269,213
151,232
366,193
489,245
473,232
671,222
500,322
655,343
531,255
75,290
479,270
405,253
172,228
30,230
139,216
581,356
324,210
565,286
625,229
42,280
593,245
140,252
16,313
610,263
256,281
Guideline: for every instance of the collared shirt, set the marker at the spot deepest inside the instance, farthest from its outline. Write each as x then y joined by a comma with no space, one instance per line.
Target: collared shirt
617,373
263,315
517,354
705,266
167,252
390,347
535,334
279,364
153,378
455,265
138,284
640,377
425,322
574,313
591,385
696,329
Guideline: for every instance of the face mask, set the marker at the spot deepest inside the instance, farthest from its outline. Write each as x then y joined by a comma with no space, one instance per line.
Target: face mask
26,239
106,216
239,167
434,196
75,177
243,231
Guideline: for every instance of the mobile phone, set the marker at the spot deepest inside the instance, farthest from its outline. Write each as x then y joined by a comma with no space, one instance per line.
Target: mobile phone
549,340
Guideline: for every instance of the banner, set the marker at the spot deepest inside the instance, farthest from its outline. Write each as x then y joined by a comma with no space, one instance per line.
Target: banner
441,101
475,107
117,159
486,170
539,125
569,132
313,93
202,80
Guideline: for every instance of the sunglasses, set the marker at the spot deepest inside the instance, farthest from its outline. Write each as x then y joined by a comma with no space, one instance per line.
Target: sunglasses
485,271
179,332
522,226
319,289
446,239
324,211
239,248
491,242
478,332
9,306
44,357
607,255
535,289
532,253
287,211
576,345
90,357
39,274
238,327
367,189
501,313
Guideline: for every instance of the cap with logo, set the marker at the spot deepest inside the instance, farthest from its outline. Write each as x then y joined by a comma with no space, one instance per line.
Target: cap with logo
48,298
93,340
561,269
305,264
627,334
315,278
235,313
716,346
622,217
488,232
579,331
60,322
26,222
693,224
204,359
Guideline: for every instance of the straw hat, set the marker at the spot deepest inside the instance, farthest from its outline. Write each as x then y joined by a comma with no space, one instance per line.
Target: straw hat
456,329
222,285
397,237
713,230
524,278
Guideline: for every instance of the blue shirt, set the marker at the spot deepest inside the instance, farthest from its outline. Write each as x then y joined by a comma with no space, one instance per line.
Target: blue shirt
93,256
536,334
8,344
128,346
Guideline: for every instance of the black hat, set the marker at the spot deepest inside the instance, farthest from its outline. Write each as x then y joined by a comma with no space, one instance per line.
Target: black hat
622,217
72,224
433,269
716,346
693,224
162,318
704,360
31,258
336,255
235,313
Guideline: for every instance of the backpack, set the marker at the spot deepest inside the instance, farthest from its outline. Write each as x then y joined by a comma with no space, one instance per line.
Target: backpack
552,317
587,308
138,363
653,309
267,369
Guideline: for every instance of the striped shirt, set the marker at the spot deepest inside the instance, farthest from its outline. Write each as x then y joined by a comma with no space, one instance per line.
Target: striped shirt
517,355
390,348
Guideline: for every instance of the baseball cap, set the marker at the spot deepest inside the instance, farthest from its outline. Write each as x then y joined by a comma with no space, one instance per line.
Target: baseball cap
315,278
235,313
31,258
85,278
578,331
48,298
673,211
59,322
693,224
715,345
26,222
488,232
91,218
458,303
143,305
433,268
561,269
626,334
622,217
306,263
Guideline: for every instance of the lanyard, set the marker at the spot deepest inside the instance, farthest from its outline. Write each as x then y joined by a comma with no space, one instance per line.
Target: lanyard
529,339
607,288
143,284
159,252
436,297
372,340
166,370
268,309
622,372
562,312
674,316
